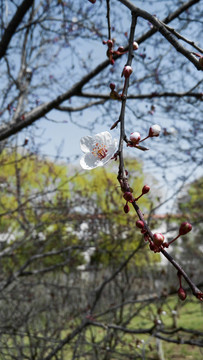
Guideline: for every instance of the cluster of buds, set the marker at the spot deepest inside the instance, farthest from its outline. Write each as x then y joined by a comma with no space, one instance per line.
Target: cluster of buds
140,225
135,137
158,238
129,197
110,51
120,51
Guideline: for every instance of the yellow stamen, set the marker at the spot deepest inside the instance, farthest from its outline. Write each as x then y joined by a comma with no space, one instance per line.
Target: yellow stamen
100,151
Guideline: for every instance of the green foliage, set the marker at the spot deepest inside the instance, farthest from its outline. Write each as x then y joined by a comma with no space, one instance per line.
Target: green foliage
39,203
192,203
117,235
30,185
190,206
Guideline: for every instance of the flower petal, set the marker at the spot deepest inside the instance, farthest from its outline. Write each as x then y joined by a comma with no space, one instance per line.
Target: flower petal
103,138
89,161
86,143
89,145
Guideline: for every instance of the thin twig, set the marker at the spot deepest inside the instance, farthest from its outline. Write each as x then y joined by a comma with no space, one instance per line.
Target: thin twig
108,18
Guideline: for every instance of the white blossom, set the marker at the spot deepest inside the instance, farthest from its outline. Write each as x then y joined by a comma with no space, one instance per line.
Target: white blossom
98,150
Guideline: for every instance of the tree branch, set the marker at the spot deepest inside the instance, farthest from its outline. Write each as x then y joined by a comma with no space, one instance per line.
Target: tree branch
29,118
11,28
159,25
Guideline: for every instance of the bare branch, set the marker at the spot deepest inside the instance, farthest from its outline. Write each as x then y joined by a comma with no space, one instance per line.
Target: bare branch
14,23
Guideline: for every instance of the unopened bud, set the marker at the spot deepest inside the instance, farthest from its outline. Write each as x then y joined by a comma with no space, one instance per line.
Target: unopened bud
26,141
185,228
126,208
140,224
135,45
152,246
128,196
112,86
182,294
158,239
145,189
93,1
110,43
154,130
127,71
112,61
121,49
135,137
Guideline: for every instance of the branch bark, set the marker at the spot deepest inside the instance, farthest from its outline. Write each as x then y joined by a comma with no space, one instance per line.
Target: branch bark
14,23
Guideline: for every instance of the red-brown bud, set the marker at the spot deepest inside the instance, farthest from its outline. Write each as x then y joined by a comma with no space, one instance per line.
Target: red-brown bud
128,196
127,71
26,141
145,189
185,228
140,224
112,86
110,44
182,294
152,246
121,49
126,208
158,239
93,1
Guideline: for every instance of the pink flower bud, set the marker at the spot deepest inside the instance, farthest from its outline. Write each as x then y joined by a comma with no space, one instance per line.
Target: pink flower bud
127,71
154,130
110,43
112,86
145,189
158,239
128,196
185,228
182,294
120,49
135,45
126,208
135,137
140,224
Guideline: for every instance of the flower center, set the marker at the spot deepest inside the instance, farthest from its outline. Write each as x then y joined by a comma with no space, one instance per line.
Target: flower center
99,151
